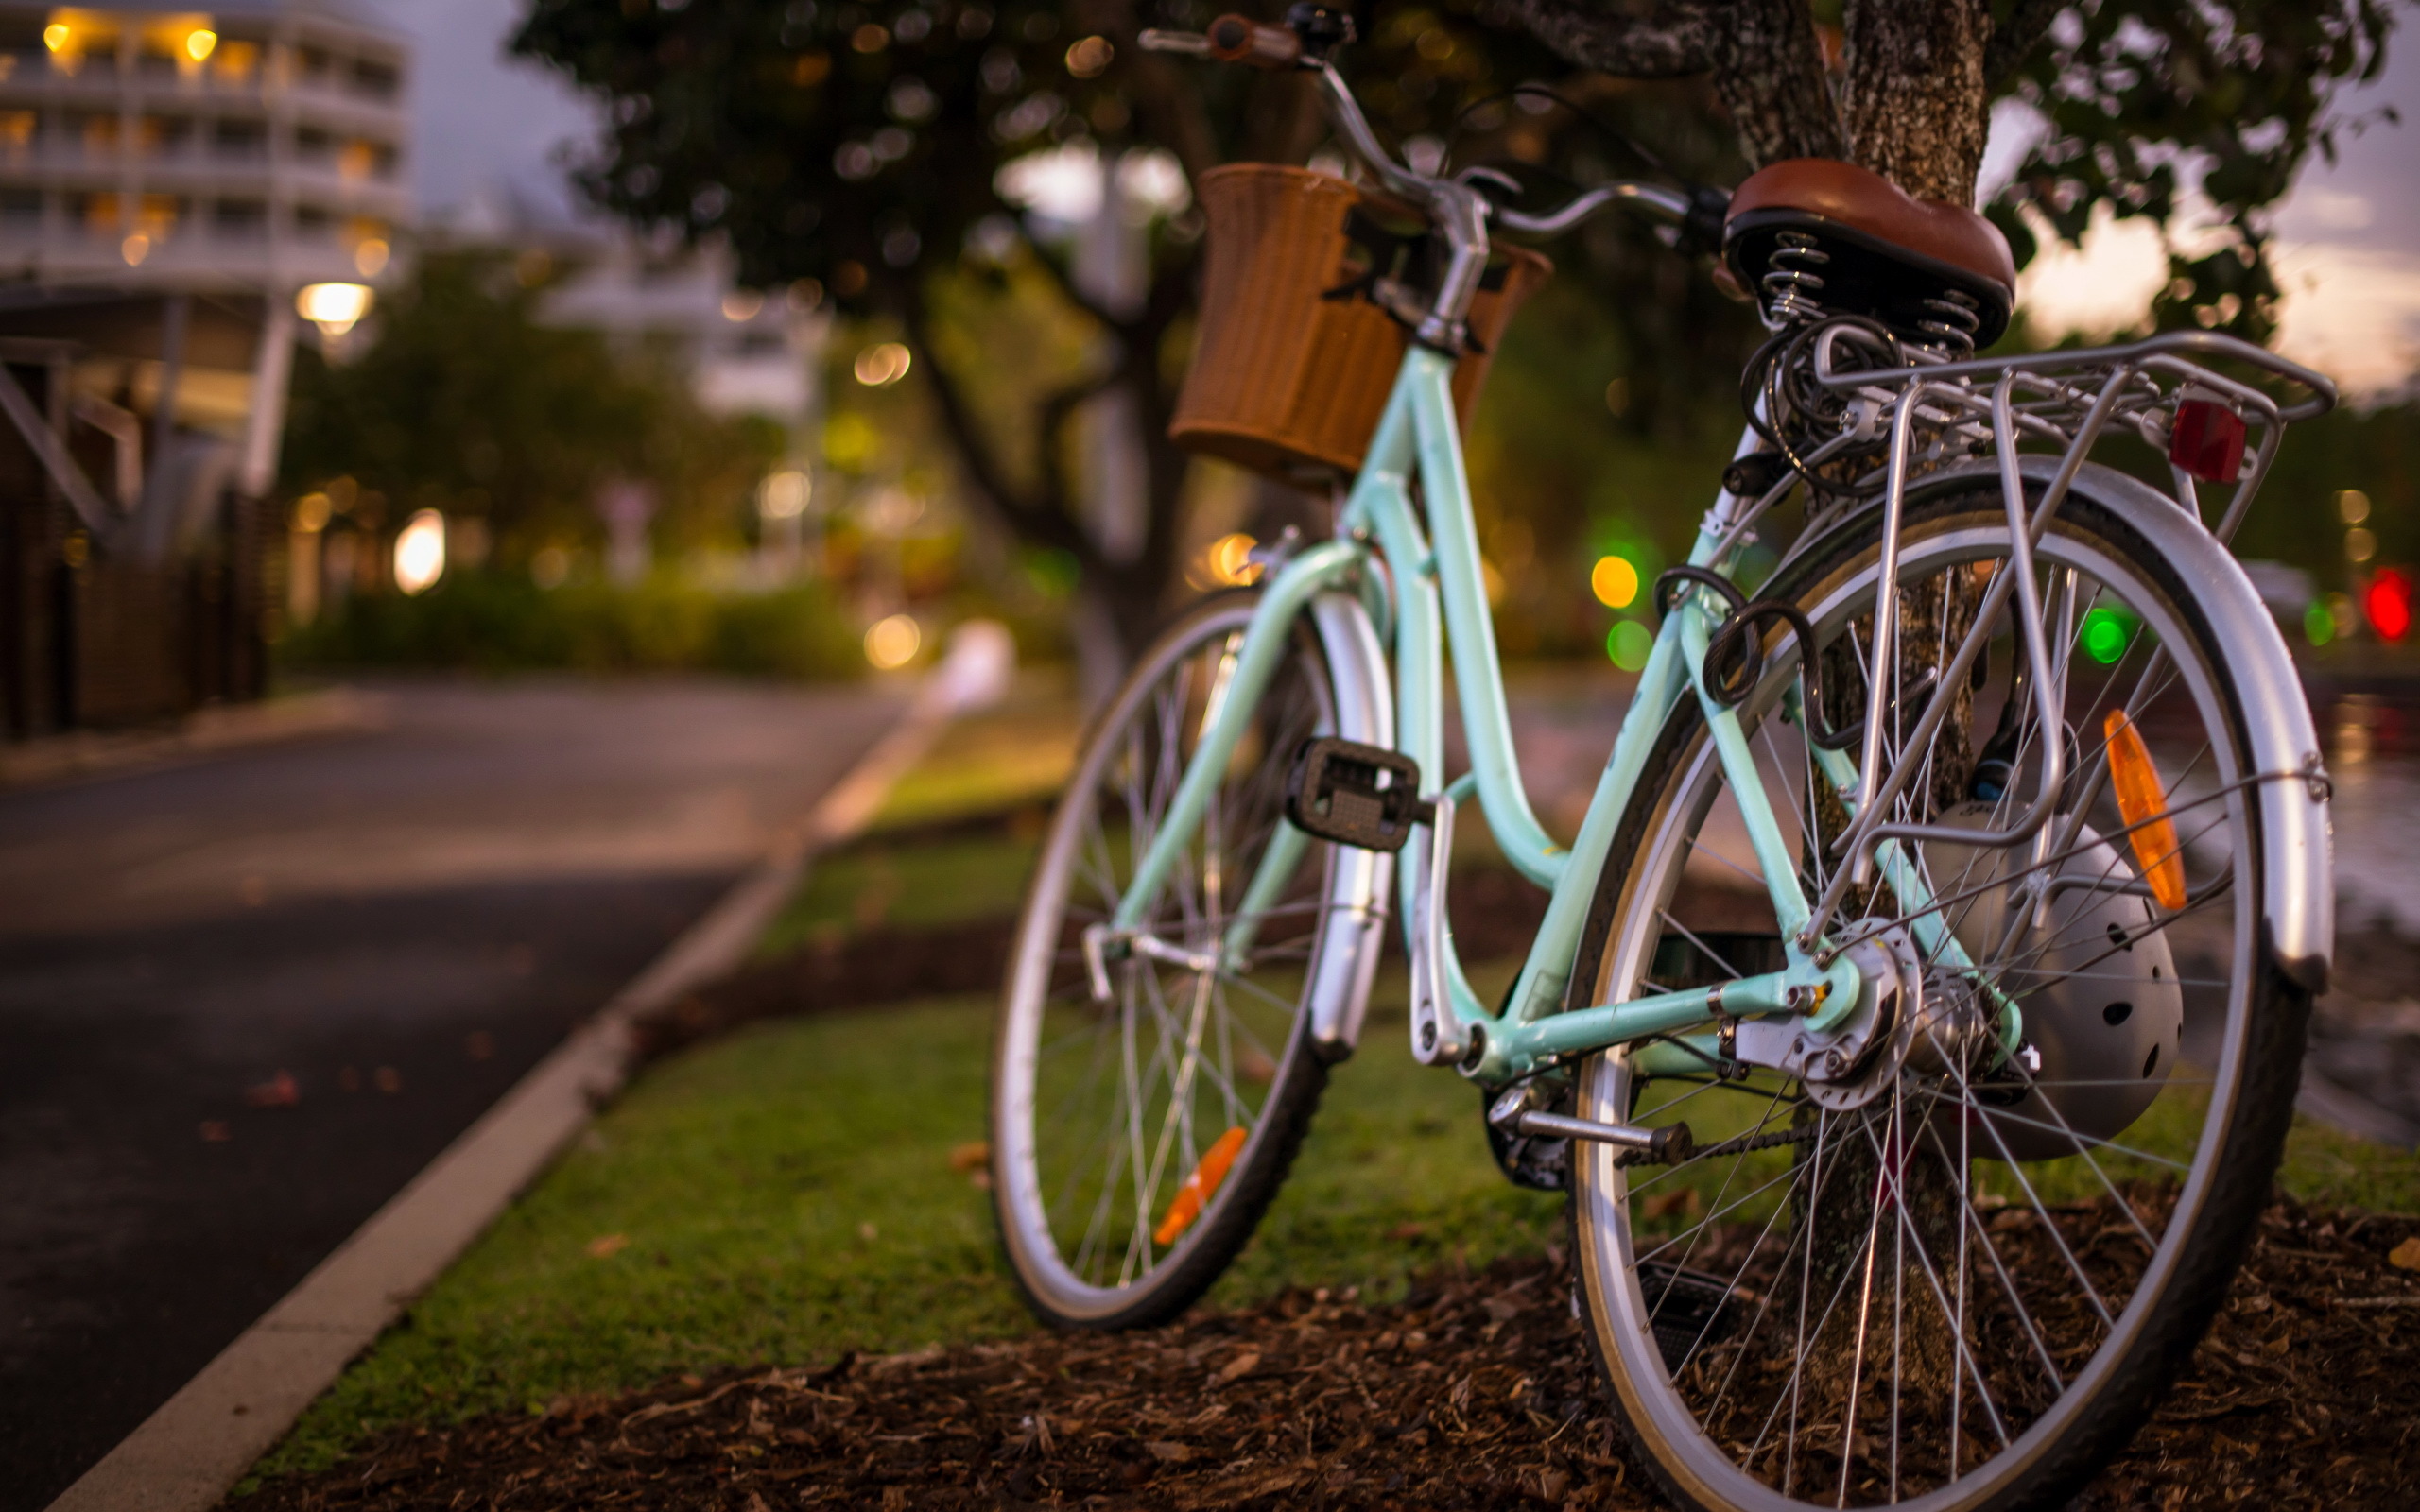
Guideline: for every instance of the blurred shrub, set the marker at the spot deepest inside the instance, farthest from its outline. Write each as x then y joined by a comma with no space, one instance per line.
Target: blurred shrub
497,622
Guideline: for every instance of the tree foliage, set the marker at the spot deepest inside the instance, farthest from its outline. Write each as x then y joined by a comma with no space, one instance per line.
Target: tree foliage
2139,101
463,401
859,142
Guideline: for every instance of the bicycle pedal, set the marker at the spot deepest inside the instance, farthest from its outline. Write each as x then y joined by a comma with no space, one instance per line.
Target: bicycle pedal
1361,796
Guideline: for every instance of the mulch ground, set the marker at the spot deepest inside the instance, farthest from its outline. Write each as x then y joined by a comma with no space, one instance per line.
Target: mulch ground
1474,1392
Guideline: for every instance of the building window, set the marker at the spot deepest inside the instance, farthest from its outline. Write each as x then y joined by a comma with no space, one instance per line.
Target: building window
236,63
157,215
21,209
367,160
314,223
314,146
241,220
240,139
17,129
97,130
163,135
380,82
158,56
100,215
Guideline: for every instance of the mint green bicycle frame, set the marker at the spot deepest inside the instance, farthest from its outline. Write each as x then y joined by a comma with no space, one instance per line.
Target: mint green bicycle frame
1439,601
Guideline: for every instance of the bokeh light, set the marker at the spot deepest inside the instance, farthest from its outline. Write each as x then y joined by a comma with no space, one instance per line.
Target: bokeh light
1614,581
2388,603
879,366
419,552
2319,625
334,308
1628,643
1227,561
893,642
2105,634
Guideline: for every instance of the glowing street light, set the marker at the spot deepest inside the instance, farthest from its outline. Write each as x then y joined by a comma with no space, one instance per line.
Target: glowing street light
419,552
335,308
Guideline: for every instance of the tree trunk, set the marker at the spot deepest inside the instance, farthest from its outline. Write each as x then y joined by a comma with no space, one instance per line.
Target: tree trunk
1913,105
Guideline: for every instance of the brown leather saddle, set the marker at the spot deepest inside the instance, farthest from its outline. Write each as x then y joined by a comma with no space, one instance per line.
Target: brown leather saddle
1853,243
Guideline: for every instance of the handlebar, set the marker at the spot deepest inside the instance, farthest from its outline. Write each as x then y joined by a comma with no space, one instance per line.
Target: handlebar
1459,206
1233,38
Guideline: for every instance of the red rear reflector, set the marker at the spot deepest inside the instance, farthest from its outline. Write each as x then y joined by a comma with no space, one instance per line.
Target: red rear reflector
2208,440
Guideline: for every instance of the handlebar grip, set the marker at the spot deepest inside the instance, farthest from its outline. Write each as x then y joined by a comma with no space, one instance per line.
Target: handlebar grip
1154,40
1241,40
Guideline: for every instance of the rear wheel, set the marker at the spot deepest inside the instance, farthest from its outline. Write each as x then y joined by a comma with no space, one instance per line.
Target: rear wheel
1944,1275
1139,1134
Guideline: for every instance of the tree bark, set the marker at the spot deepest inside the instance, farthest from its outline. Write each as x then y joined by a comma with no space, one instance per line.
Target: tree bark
1768,72
1914,108
1913,103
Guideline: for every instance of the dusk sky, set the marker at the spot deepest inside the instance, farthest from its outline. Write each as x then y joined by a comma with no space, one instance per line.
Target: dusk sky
2350,234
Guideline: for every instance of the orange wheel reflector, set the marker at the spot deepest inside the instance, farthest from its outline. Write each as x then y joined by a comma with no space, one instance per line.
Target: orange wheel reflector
2139,800
1201,1185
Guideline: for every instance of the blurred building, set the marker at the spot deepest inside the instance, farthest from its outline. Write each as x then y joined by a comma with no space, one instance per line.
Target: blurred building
170,179
744,352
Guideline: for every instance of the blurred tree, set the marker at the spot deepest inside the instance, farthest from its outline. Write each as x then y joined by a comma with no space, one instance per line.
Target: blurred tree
859,144
460,400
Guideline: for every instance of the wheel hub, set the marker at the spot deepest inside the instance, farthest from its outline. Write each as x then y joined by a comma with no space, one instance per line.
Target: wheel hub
1850,1064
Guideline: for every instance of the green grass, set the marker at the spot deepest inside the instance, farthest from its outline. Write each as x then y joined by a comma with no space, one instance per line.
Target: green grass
788,1192
922,885
1018,755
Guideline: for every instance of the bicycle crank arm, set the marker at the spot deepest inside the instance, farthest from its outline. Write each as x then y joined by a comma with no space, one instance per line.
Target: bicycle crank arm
1437,1034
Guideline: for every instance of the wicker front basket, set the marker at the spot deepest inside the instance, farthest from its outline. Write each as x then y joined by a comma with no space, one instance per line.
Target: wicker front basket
1294,362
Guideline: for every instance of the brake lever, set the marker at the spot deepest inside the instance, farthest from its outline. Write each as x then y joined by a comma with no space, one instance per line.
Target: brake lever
1493,184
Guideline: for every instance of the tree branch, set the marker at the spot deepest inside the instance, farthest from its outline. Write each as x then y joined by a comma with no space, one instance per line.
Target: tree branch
1674,40
1044,517
2014,39
1067,289
1768,69
1053,417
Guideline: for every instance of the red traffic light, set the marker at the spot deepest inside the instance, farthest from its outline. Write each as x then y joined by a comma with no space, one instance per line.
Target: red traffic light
2208,440
2388,603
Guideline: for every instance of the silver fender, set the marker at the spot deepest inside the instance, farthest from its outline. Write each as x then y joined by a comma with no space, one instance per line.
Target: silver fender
2297,863
1357,889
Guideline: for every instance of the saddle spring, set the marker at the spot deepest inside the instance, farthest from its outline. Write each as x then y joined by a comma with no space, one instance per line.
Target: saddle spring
1792,281
1950,331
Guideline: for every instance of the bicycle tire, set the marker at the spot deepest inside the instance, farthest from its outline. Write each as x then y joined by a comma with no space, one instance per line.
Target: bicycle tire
2098,1404
1046,968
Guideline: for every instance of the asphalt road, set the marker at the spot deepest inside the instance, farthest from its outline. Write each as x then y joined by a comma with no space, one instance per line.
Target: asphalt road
243,1001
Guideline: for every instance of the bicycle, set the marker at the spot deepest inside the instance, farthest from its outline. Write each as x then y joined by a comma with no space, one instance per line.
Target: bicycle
1916,1016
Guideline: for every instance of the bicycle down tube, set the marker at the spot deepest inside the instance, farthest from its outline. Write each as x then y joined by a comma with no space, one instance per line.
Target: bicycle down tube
1439,603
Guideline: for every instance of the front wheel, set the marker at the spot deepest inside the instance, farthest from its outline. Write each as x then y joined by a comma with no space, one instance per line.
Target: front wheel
1959,1272
1148,1094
